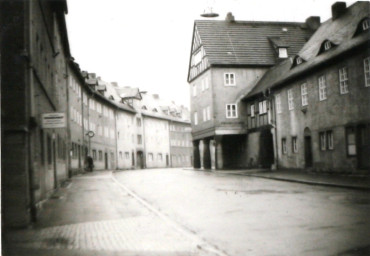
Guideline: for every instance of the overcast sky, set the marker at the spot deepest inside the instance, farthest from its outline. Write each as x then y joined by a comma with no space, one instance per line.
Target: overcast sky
146,43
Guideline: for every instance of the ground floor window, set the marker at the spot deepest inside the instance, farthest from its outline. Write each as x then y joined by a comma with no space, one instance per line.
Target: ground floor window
351,141
94,154
283,146
294,145
100,155
326,140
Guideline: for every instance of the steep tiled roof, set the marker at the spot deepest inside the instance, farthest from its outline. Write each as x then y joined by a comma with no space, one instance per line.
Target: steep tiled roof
247,42
339,31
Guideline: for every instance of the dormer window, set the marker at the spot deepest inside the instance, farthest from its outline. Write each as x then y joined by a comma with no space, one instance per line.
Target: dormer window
144,108
155,110
299,60
283,52
365,24
327,45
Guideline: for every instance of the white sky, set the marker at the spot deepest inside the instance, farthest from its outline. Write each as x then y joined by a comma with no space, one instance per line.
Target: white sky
146,43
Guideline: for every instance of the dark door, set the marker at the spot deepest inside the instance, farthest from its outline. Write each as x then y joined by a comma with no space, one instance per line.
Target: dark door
167,161
106,160
364,147
308,151
266,149
140,160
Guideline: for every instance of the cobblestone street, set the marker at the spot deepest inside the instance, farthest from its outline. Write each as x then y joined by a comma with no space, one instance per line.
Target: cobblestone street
94,216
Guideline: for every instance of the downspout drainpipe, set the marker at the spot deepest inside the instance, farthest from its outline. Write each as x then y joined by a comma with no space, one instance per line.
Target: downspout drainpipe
276,155
30,114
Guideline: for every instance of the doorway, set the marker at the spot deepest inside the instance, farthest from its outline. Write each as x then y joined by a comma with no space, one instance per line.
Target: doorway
364,146
308,148
106,160
140,160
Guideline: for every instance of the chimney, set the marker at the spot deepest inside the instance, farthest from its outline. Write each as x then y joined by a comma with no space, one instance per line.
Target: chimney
156,96
230,17
92,75
115,84
313,22
337,9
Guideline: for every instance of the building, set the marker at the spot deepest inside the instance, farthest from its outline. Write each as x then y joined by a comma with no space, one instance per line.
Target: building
34,56
317,102
228,57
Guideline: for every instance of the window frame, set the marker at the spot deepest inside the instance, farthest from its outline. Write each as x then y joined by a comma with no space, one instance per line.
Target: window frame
252,108
365,24
290,99
367,71
227,79
294,144
351,130
231,111
195,116
284,148
304,94
322,88
283,52
278,103
343,80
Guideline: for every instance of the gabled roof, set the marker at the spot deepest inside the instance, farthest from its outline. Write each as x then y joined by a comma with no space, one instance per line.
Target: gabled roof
339,31
336,31
247,42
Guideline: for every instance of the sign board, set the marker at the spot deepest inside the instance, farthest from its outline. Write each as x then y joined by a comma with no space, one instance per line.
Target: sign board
53,120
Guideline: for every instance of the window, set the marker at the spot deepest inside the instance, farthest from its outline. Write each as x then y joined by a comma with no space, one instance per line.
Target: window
367,71
194,90
208,113
283,146
330,139
203,85
94,154
229,79
139,139
150,156
120,155
278,103
322,88
127,155
299,60
252,110
294,145
290,99
138,122
160,157
231,111
92,104
327,45
262,107
343,80
365,24
304,94
206,83
195,118
351,141
204,114
322,141
283,53
100,155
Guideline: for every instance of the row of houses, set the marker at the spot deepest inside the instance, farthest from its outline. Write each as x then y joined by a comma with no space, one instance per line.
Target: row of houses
282,94
54,115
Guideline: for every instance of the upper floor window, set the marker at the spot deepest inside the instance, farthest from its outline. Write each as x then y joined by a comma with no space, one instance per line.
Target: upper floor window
206,83
327,45
229,79
138,121
299,60
283,53
304,94
365,24
231,111
290,99
367,71
262,106
252,110
139,139
208,113
195,118
284,149
322,88
278,103
343,80
194,90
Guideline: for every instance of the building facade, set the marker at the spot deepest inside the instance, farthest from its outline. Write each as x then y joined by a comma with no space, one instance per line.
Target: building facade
318,101
34,53
227,58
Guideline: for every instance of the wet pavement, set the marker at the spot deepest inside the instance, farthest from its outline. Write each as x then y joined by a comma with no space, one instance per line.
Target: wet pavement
93,215
187,212
245,215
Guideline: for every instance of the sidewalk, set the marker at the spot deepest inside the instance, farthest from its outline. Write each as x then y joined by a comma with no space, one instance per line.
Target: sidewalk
305,177
93,215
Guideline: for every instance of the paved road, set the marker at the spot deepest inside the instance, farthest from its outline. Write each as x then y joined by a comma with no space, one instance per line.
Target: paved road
250,216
